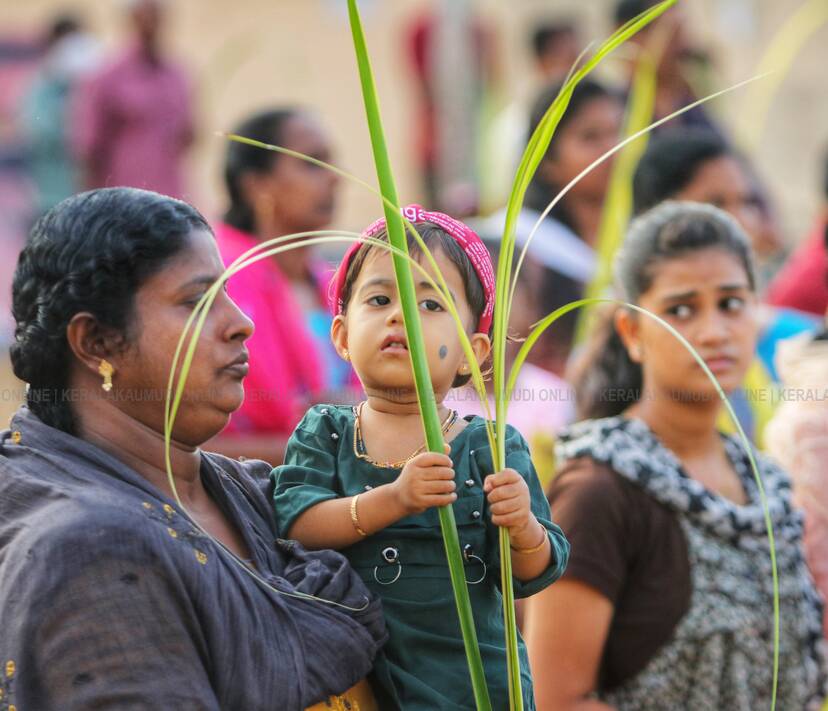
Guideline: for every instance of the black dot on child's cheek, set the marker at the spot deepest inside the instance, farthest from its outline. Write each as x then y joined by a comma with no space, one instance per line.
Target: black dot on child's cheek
443,352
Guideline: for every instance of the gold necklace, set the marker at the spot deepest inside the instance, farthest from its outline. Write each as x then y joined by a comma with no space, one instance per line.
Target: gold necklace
359,444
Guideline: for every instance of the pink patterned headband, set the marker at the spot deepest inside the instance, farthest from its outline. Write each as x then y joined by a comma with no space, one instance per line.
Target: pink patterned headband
467,238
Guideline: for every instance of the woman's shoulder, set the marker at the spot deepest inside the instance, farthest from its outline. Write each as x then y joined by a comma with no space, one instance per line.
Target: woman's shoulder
51,531
592,484
599,439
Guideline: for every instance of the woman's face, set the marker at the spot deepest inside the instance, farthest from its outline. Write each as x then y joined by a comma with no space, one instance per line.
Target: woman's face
298,195
706,297
162,306
723,182
583,139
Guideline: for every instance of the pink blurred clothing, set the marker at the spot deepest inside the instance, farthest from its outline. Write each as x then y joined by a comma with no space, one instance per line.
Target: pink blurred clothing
797,437
802,283
133,123
285,367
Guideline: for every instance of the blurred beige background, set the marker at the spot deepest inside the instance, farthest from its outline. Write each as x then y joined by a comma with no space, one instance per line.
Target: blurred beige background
250,53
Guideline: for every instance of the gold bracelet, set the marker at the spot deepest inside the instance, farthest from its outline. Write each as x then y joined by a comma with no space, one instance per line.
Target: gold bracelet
355,518
533,549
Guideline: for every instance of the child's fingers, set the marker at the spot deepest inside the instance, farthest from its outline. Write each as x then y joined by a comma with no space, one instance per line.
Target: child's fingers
437,473
509,520
440,499
507,476
507,491
439,486
432,459
506,507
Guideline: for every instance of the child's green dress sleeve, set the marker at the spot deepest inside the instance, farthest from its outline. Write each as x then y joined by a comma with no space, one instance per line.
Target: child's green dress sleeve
519,459
309,474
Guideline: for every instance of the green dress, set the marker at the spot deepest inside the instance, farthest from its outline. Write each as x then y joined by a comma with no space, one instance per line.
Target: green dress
423,665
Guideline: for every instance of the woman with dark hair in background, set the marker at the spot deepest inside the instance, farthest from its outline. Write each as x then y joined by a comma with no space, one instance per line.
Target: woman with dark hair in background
698,165
667,602
112,596
565,241
292,360
686,164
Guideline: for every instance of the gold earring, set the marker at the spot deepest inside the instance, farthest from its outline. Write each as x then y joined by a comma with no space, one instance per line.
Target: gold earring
106,370
345,355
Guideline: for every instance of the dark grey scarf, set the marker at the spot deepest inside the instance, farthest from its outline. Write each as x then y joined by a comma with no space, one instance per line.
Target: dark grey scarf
721,652
110,597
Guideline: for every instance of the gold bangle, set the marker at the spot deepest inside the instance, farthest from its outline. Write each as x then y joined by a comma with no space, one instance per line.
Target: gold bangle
355,518
533,549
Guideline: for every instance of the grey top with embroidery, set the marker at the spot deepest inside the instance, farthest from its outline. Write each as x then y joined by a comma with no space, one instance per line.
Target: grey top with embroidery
110,598
721,653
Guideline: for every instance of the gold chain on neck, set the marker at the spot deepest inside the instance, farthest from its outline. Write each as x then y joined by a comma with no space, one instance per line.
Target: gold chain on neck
359,444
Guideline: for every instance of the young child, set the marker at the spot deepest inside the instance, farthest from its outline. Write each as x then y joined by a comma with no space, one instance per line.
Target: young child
358,479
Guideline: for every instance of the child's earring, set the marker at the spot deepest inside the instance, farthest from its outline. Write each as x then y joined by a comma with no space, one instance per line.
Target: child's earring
106,370
345,355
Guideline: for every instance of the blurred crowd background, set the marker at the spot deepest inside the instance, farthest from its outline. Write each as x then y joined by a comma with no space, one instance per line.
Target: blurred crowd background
460,82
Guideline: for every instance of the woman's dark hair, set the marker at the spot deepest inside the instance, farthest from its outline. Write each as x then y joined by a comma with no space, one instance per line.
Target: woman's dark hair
546,35
540,191
608,380
266,127
626,10
671,162
91,252
434,238
558,289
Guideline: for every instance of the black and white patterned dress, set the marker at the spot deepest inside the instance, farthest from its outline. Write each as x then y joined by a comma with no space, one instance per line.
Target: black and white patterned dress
720,655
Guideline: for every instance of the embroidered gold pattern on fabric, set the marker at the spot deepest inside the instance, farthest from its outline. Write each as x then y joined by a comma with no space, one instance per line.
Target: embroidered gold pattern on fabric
178,528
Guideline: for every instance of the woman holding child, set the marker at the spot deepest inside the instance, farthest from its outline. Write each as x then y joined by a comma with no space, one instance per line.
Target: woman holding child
112,595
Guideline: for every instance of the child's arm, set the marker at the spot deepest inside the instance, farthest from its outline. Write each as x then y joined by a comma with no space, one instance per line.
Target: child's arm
516,500
426,481
510,504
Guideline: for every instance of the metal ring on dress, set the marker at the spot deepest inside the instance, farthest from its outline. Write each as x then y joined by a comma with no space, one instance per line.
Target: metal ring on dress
468,555
391,555
388,582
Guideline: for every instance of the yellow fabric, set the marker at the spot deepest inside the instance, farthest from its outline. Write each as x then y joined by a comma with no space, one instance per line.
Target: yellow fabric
759,389
357,698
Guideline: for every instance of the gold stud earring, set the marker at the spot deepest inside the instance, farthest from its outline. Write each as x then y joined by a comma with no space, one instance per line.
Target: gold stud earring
345,355
106,370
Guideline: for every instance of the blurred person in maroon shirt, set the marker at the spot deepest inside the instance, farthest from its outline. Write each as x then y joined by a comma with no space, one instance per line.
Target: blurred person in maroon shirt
133,121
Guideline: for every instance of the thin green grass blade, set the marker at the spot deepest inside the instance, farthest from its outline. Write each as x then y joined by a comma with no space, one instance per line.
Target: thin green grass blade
530,160
195,323
547,321
607,156
778,60
617,207
476,374
425,394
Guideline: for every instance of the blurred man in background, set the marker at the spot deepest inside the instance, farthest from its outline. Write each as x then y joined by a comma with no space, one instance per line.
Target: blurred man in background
134,122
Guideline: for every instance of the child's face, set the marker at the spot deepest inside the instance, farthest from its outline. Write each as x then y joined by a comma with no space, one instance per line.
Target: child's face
372,331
